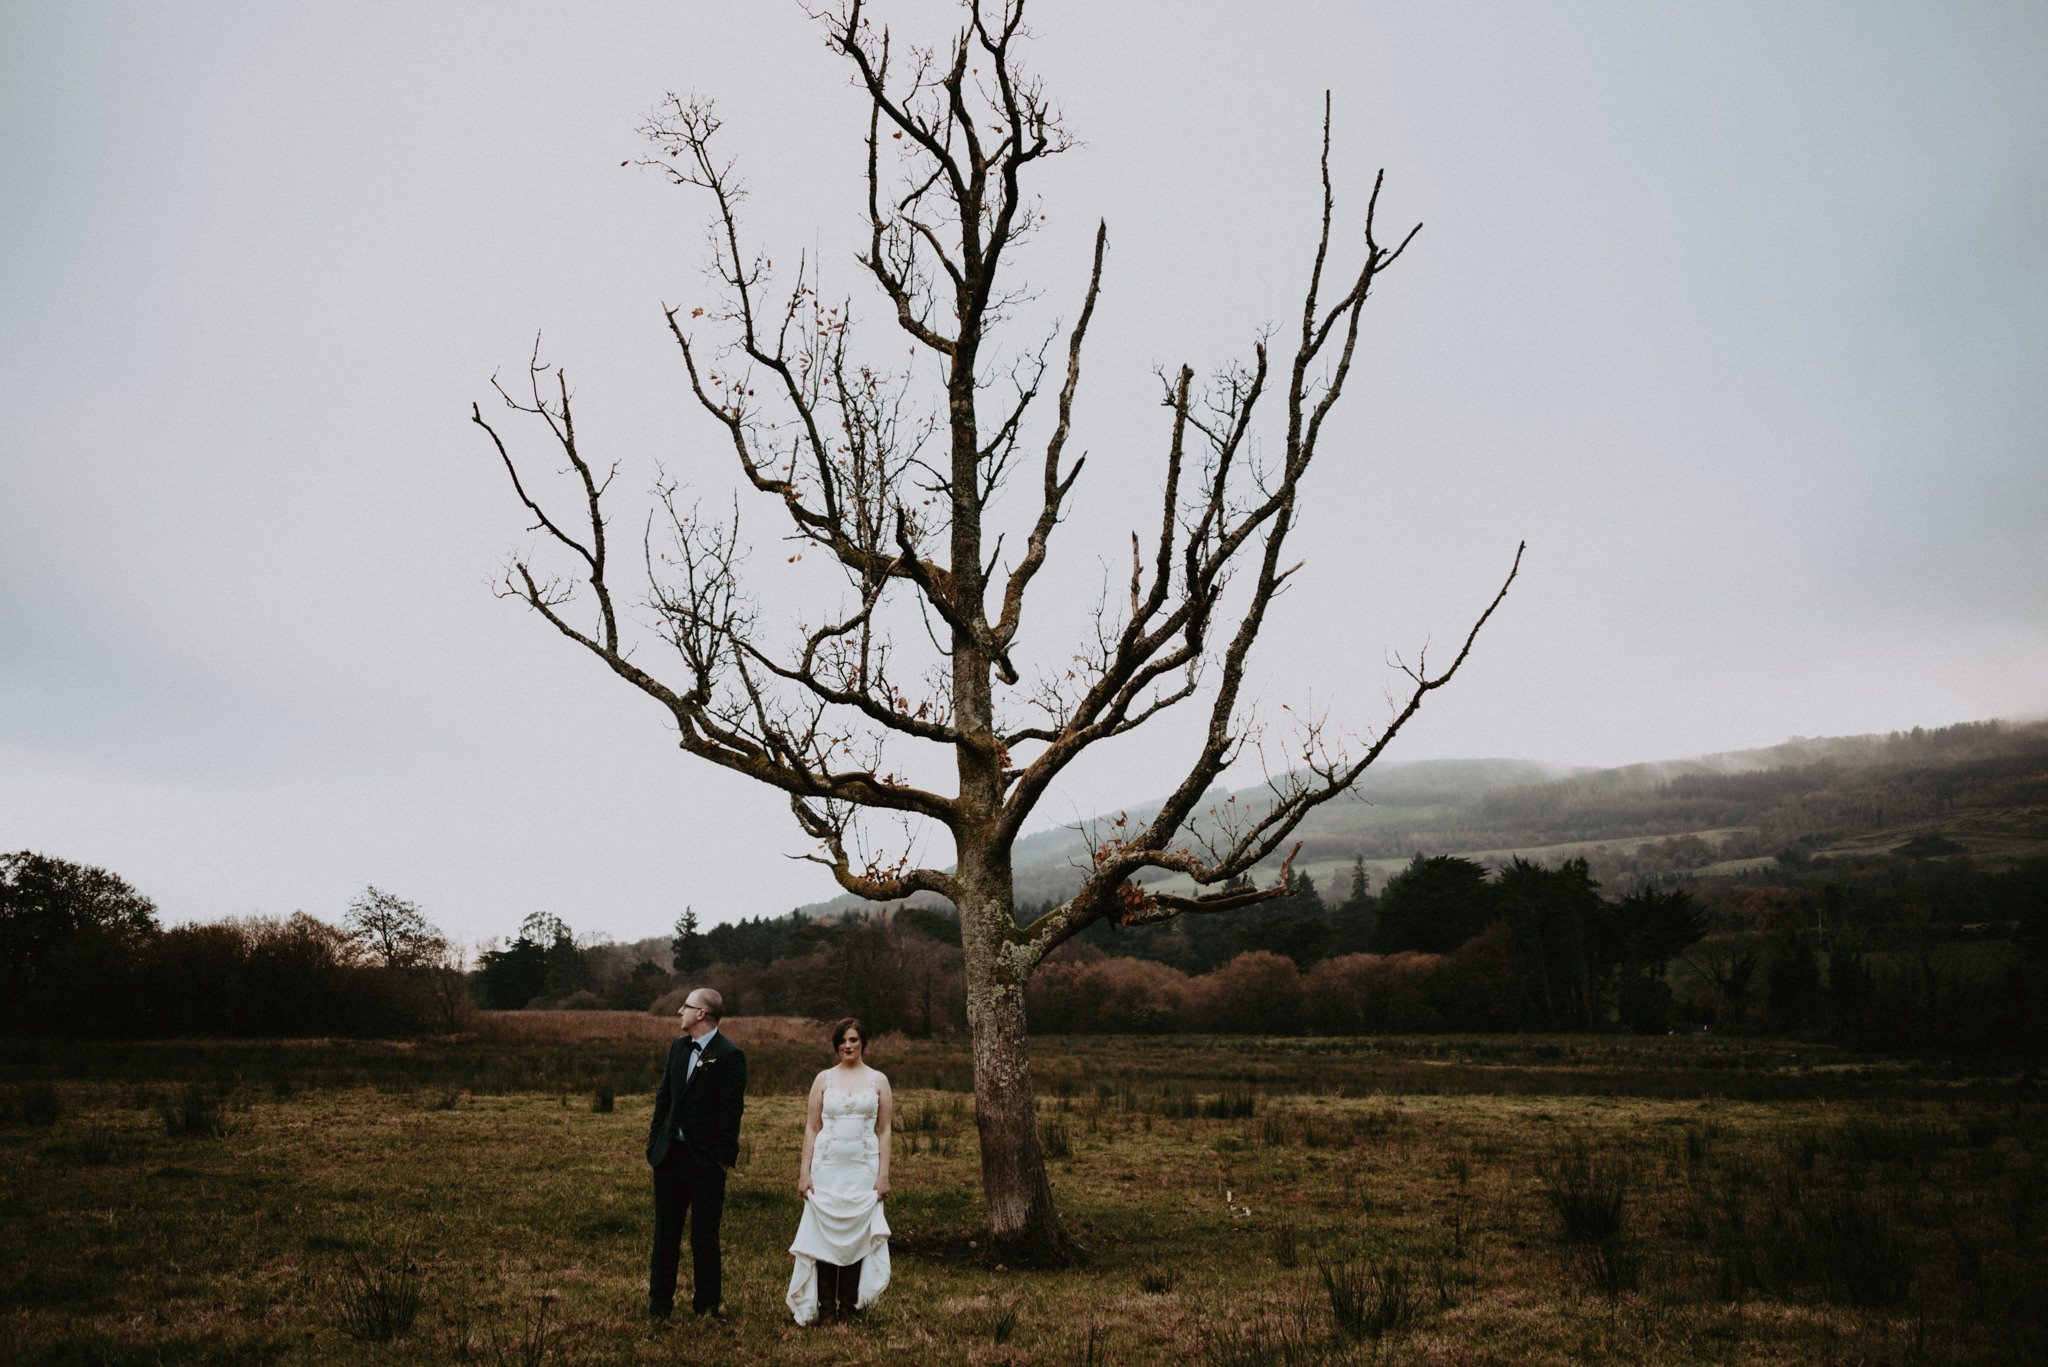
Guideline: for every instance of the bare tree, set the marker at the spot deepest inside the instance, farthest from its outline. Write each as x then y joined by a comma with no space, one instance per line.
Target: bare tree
897,501
396,931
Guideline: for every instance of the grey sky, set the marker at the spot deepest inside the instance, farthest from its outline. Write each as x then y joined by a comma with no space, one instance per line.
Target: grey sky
1730,310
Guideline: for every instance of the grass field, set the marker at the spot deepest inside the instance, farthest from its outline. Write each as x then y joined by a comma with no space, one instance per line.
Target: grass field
1527,1200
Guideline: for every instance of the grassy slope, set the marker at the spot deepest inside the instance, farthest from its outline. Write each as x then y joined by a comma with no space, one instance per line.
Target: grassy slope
526,1213
1490,810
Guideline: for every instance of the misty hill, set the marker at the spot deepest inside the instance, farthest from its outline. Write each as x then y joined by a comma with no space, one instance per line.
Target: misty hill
1979,786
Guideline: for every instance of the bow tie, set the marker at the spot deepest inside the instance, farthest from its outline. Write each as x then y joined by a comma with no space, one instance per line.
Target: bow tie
696,1048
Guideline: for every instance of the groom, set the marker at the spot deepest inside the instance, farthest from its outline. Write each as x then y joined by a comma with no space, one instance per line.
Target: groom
695,1137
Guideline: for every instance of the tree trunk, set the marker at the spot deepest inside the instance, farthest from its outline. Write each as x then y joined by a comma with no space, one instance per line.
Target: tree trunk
1022,1222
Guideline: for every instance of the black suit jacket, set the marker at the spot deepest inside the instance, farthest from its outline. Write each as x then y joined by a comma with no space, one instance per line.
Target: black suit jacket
706,1108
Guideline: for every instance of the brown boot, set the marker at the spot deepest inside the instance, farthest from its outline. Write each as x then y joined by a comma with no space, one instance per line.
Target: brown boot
828,1294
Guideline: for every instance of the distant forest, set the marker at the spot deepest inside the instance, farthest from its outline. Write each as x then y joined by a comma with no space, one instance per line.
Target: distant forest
1889,891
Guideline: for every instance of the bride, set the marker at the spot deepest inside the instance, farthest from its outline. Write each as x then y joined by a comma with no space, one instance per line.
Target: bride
842,1242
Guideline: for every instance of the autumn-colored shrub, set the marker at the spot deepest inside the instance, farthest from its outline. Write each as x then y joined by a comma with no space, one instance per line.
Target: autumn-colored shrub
1482,988
1256,993
893,977
1085,992
1365,994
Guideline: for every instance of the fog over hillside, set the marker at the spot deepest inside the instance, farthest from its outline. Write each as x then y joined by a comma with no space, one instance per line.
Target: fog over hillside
1837,785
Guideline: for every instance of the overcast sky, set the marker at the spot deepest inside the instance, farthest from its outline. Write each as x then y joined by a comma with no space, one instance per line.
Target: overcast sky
1737,313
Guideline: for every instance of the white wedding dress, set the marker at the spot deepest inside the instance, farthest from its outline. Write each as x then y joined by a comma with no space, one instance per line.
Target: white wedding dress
842,1221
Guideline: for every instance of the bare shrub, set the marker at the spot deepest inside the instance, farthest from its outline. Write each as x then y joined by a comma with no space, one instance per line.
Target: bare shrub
537,1341
1375,1123
101,1146
1854,1249
1232,1103
378,1296
1284,1241
196,1111
1877,1139
1589,1193
1369,1300
1054,1138
2026,1191
1269,1341
1851,1247
36,1104
1609,1266
1001,1324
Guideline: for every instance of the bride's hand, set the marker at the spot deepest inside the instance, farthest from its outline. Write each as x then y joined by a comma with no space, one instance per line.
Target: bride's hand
803,1185
881,1186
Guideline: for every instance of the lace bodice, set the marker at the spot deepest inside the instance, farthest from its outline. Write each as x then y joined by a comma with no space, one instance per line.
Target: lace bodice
846,1132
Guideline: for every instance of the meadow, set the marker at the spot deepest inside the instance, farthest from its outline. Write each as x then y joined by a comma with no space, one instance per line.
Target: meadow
1237,1202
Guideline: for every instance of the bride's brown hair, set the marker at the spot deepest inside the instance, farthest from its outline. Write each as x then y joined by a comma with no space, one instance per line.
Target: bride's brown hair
840,1027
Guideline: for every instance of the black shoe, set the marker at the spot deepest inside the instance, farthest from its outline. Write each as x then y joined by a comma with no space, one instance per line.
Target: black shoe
659,1313
849,1292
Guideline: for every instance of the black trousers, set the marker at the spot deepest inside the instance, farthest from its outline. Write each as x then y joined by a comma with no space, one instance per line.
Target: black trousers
685,1191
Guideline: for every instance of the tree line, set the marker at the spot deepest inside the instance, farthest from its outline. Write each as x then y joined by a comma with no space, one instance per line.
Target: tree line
1850,948
1446,945
83,953
1873,951
1525,948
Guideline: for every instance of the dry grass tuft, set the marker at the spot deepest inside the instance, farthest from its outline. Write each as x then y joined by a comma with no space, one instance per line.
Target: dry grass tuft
1371,1300
379,1295
35,1104
194,1111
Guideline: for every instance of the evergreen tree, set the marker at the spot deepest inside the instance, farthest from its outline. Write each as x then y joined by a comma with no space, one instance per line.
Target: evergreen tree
689,952
565,969
1655,927
509,978
1297,925
1433,905
1566,936
1651,929
1792,983
1353,924
937,923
